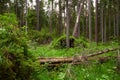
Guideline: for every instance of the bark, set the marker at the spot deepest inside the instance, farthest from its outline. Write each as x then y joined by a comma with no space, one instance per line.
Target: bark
87,30
96,22
51,23
60,18
67,27
74,59
102,25
117,18
77,19
117,25
109,24
26,22
78,30
105,32
90,20
114,26
37,14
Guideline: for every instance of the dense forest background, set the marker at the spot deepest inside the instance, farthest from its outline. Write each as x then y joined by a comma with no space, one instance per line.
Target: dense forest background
30,29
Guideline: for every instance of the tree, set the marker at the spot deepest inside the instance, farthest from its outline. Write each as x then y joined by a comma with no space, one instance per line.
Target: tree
37,14
67,27
89,12
101,24
26,7
96,21
60,18
3,6
77,19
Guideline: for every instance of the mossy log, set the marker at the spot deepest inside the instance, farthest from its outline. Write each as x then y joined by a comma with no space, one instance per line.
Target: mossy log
72,60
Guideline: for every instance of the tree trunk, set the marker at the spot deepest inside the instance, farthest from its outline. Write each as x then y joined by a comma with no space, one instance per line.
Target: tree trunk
60,18
87,30
37,13
96,22
105,32
51,12
78,30
102,25
77,20
114,26
67,26
26,22
90,20
117,18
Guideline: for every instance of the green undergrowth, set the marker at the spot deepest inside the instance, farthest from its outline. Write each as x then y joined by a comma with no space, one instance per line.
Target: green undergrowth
48,51
89,71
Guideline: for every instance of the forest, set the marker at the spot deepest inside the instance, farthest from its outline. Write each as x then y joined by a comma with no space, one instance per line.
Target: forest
59,40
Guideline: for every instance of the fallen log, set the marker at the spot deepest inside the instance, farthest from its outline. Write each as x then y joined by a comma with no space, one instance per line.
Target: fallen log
72,60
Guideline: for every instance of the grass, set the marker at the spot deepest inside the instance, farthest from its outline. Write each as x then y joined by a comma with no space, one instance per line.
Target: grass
48,51
90,71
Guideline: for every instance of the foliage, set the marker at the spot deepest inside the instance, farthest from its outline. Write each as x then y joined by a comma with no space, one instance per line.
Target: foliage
32,17
8,20
3,7
15,62
41,37
80,42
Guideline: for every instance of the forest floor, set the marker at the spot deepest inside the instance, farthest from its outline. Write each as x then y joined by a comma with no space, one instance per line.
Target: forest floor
92,70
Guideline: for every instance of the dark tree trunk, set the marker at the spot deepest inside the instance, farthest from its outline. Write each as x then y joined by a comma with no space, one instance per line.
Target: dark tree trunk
96,22
37,15
60,18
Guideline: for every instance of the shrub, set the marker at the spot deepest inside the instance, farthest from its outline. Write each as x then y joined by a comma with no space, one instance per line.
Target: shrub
15,63
74,42
41,37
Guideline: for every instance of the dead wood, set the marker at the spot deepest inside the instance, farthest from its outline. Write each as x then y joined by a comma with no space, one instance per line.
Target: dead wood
72,60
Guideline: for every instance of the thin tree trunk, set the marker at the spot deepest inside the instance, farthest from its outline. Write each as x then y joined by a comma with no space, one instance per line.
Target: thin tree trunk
87,30
105,33
96,22
37,13
117,18
90,20
51,17
77,20
60,18
67,27
64,16
102,25
78,30
114,26
109,24
26,22
117,25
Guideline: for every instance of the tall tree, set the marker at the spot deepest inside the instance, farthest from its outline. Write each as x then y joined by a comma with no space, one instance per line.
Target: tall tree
67,25
26,9
51,13
96,21
101,24
3,6
90,20
60,18
77,19
117,16
37,15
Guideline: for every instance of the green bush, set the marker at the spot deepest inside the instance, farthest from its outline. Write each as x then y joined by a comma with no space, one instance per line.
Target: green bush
15,62
41,37
7,20
80,42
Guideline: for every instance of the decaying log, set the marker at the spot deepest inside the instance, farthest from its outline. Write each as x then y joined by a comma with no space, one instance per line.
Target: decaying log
72,60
